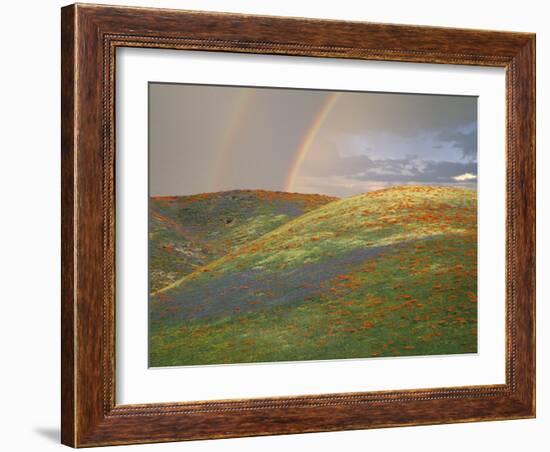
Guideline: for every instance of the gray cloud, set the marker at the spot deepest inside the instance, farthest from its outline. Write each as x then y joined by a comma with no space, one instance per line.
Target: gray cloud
411,169
408,169
466,142
405,115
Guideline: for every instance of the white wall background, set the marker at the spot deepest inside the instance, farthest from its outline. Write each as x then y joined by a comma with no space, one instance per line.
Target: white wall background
29,230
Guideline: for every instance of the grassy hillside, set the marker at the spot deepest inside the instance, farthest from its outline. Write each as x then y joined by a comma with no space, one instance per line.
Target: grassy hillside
387,273
187,232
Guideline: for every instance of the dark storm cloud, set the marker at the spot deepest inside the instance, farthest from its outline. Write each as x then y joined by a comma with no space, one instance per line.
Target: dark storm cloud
465,142
447,170
406,115
411,170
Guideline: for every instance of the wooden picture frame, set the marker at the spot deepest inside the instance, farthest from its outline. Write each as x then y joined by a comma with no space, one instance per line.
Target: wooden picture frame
90,35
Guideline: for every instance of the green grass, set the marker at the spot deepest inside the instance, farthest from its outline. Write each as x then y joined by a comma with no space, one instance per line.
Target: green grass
418,296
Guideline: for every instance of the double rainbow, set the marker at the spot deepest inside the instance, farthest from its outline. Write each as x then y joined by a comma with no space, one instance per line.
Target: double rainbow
243,104
308,139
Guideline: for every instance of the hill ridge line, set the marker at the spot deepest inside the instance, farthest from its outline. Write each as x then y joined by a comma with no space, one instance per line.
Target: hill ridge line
274,233
297,221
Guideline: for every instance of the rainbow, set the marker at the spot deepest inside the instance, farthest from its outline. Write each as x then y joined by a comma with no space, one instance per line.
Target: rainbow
308,138
227,141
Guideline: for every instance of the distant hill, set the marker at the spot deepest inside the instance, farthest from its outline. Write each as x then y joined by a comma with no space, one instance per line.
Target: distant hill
391,272
187,232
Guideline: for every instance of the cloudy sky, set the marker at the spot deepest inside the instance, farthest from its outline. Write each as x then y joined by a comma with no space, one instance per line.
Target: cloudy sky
213,138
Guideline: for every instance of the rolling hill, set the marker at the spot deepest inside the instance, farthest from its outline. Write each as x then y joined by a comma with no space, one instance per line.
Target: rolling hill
387,273
187,232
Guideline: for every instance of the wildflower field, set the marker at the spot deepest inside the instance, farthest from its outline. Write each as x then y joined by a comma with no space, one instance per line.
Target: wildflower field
258,276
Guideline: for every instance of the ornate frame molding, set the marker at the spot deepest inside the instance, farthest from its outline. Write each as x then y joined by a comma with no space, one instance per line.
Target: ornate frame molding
90,37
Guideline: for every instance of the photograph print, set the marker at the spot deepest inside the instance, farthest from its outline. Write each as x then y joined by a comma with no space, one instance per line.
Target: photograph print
300,225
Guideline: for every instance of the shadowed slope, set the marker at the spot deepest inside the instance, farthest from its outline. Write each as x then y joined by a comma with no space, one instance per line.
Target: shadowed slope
187,232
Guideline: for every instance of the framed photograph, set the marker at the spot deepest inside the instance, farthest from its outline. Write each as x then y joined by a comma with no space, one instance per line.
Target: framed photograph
282,225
